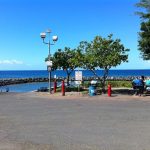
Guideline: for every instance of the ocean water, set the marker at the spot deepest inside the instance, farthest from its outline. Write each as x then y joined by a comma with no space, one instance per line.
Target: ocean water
26,87
60,73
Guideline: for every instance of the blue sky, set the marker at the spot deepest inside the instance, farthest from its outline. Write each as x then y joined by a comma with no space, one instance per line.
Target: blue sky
22,21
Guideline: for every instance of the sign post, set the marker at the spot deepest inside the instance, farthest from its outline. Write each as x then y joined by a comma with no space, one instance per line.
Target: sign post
78,78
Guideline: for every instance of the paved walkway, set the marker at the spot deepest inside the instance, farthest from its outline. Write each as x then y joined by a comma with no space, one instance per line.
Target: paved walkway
39,121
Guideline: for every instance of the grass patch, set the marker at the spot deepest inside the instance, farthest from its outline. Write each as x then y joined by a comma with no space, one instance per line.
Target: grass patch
118,84
85,85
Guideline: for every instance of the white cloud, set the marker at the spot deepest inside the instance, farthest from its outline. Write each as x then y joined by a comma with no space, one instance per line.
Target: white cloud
11,62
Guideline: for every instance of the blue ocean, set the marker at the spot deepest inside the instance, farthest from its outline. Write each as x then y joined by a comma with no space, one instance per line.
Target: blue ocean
59,73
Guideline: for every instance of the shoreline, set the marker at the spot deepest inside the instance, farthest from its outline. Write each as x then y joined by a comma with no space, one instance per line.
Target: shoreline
11,81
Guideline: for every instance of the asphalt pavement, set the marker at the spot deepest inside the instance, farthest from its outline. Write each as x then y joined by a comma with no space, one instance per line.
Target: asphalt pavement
37,121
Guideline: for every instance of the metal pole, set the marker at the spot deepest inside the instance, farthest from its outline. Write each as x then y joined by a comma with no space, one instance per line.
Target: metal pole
49,83
109,90
63,88
50,66
55,85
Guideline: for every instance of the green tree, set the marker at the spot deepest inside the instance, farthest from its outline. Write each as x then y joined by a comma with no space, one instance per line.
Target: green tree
54,62
144,34
103,53
67,59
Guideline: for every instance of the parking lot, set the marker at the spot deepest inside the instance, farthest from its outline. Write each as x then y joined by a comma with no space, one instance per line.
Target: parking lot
52,122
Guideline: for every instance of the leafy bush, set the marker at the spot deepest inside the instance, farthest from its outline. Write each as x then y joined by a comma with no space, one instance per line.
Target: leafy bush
127,84
73,89
85,85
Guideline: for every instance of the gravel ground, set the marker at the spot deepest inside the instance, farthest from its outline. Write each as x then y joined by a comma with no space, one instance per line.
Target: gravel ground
39,121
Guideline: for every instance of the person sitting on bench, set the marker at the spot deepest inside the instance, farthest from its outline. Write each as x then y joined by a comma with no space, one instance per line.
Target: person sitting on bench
147,84
138,86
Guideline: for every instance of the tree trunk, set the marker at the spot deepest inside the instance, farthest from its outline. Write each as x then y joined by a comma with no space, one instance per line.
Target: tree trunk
103,85
68,78
104,80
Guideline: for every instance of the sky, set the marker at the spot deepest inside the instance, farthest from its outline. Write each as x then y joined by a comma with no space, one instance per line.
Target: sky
22,21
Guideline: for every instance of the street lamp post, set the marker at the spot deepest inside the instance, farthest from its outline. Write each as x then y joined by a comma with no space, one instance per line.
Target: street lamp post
49,62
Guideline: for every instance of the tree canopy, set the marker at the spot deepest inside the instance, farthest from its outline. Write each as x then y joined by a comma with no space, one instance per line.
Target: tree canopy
144,34
67,60
100,53
103,53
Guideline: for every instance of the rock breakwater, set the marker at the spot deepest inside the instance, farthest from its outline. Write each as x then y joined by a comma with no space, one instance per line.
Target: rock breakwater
11,81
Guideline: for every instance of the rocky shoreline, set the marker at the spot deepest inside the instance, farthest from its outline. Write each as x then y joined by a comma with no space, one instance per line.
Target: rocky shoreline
4,82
